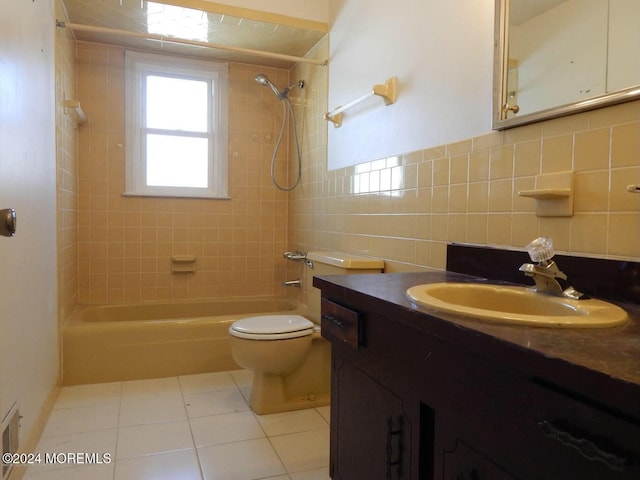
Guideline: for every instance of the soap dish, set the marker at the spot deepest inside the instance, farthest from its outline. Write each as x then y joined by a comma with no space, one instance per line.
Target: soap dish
553,194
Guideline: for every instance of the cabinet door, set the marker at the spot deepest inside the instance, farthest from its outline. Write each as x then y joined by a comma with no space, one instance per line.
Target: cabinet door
567,438
463,463
370,435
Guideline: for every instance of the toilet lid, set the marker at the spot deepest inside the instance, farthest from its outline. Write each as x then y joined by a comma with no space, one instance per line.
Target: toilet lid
272,327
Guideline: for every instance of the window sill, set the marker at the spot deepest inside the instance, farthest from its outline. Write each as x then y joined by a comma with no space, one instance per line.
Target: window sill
162,195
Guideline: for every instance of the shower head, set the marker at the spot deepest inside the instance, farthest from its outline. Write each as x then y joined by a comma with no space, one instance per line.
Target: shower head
264,80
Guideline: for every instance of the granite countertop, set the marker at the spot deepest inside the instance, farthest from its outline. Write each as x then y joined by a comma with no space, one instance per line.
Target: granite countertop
600,363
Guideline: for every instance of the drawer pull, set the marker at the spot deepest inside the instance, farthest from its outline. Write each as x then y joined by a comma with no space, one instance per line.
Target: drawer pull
586,448
390,434
340,324
332,319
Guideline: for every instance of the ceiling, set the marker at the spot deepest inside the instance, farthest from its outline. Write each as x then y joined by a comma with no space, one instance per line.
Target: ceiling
178,18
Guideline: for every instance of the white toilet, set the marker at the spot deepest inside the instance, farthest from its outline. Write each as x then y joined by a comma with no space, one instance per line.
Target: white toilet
291,362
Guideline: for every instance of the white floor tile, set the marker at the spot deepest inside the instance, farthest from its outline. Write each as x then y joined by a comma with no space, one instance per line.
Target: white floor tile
153,438
291,422
215,403
152,386
181,428
88,395
79,472
303,451
248,460
64,421
227,428
182,465
162,406
98,442
325,412
243,378
207,382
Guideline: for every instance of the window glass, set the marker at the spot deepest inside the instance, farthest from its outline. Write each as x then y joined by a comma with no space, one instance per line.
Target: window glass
177,103
176,126
177,161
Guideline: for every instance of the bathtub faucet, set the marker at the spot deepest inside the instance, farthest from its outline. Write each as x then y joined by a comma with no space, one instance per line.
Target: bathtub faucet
291,283
295,256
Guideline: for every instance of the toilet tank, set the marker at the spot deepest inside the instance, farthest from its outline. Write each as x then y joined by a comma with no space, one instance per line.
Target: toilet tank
333,263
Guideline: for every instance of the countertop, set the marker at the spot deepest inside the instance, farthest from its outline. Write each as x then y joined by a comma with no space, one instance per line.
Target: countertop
601,364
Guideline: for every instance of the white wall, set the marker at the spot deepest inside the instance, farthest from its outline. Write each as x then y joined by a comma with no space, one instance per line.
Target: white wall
29,360
442,53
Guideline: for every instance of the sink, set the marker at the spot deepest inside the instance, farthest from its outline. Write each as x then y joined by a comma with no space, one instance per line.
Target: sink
516,305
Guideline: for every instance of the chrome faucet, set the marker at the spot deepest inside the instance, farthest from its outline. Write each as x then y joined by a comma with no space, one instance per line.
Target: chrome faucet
291,283
545,272
295,256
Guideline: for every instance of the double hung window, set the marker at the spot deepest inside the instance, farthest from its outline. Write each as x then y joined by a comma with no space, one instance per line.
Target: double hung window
176,126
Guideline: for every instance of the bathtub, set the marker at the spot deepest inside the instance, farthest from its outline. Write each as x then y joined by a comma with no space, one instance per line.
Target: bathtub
150,340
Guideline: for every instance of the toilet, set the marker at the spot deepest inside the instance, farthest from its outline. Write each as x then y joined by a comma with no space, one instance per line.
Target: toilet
290,360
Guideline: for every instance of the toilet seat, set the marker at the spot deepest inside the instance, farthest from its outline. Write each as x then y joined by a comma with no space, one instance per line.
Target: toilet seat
272,327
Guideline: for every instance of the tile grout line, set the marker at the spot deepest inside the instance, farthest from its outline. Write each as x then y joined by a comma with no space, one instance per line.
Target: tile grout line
266,435
193,438
115,453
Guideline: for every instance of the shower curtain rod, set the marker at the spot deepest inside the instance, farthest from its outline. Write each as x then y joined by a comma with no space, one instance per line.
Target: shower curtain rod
182,41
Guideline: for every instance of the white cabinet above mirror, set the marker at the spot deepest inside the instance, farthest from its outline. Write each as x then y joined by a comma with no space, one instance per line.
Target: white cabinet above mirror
557,57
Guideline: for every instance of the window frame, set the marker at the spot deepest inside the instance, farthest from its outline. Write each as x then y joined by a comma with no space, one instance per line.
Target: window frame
138,65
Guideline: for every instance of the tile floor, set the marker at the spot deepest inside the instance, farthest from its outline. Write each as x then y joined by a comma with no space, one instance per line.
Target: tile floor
196,427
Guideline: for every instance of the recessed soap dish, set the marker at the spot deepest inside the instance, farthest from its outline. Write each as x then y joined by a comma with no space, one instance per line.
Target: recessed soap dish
553,194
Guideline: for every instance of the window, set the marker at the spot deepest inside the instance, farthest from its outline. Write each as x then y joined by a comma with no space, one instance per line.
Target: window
176,127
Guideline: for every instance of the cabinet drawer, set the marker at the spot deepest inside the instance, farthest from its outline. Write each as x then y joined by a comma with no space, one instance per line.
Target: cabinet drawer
340,324
572,439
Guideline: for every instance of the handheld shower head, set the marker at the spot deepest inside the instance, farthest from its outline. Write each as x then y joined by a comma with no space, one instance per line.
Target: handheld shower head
264,80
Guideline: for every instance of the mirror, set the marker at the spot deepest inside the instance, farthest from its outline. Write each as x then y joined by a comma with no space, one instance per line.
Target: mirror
558,57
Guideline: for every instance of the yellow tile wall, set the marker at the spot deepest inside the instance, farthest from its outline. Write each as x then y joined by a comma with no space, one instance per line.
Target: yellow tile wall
125,243
66,161
406,208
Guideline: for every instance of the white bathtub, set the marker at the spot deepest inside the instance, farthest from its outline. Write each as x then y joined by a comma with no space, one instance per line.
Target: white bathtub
149,340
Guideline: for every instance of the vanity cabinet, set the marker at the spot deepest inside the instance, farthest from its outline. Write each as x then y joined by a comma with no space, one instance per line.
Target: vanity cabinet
373,436
417,397
463,463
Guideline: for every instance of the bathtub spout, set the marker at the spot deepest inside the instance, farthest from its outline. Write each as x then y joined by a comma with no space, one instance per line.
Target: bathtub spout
291,283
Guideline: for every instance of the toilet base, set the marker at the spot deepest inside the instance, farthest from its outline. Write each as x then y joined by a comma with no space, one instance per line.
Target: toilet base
309,386
269,395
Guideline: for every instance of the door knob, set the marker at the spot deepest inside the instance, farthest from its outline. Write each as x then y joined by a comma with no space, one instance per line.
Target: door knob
8,222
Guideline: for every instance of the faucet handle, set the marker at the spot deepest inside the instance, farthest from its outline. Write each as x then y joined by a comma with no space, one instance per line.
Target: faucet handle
541,249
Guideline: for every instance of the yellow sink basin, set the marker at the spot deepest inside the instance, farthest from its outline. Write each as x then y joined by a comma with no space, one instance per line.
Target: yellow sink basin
516,305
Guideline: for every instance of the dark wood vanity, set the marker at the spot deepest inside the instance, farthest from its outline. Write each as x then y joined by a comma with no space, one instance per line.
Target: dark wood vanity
417,395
